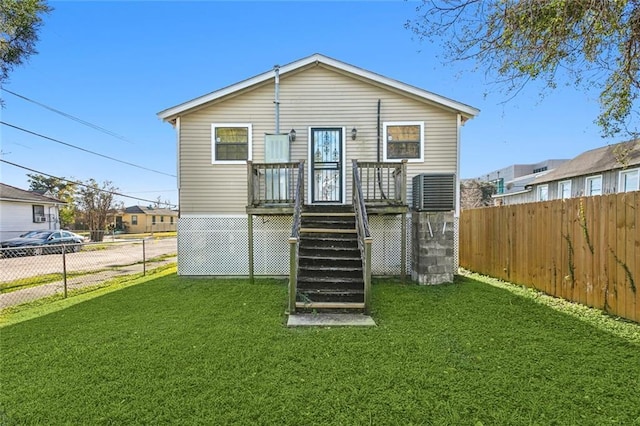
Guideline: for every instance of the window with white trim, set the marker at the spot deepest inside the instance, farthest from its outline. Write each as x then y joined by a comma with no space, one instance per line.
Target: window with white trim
593,185
629,180
564,189
38,214
542,192
230,143
403,140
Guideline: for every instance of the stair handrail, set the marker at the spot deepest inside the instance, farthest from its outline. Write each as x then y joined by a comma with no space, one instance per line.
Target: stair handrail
364,233
294,239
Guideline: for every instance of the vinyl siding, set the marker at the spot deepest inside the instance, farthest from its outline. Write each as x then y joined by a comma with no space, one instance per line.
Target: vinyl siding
314,97
609,184
610,181
17,218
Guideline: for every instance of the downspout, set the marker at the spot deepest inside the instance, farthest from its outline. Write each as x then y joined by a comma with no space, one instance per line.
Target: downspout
379,141
177,127
277,98
456,215
457,211
384,196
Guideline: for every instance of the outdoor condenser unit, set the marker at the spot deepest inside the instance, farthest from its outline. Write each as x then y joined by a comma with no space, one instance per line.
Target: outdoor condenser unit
434,192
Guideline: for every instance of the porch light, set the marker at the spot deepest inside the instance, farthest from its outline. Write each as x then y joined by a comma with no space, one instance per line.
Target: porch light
292,135
354,133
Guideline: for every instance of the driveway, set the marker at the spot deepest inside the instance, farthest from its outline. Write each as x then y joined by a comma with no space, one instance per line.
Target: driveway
90,258
97,262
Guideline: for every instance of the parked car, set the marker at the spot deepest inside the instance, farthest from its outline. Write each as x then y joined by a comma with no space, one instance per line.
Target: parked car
42,242
30,233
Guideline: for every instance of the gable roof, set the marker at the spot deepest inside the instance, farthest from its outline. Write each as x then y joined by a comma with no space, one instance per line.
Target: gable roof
11,193
150,210
595,161
170,114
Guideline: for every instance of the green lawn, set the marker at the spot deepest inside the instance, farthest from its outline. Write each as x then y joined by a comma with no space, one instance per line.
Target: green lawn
199,351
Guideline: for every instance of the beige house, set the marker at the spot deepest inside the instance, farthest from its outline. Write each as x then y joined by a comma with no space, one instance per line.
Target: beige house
326,114
140,219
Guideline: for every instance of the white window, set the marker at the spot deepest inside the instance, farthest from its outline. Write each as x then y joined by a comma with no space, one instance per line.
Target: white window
542,192
38,214
629,180
593,185
403,140
230,143
564,189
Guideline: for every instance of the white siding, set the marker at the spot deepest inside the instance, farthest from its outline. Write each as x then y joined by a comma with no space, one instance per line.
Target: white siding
17,218
314,97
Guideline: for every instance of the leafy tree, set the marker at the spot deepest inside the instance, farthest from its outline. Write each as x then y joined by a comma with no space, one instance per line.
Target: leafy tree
20,21
61,189
95,202
592,43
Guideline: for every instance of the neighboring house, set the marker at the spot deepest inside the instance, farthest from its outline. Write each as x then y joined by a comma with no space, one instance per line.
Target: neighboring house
327,114
606,170
140,219
22,211
511,181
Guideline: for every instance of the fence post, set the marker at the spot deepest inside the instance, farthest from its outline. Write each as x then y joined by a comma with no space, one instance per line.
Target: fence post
144,258
64,269
367,274
293,275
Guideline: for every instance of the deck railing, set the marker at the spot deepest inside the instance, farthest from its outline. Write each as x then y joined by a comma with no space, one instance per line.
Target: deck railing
294,239
383,183
272,183
364,234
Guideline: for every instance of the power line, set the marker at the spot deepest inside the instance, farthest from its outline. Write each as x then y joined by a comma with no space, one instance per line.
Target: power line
84,184
85,150
69,116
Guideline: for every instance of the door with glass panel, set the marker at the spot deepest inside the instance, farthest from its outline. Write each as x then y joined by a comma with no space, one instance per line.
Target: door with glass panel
326,165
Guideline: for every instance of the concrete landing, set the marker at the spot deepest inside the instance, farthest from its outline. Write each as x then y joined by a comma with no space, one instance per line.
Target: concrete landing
330,320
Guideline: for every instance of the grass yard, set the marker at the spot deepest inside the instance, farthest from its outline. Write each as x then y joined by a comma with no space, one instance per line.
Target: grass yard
197,351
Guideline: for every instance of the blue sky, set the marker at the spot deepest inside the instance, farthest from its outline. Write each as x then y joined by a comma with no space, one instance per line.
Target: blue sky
116,64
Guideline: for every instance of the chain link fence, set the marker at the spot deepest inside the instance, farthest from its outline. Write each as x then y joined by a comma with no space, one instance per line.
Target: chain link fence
56,271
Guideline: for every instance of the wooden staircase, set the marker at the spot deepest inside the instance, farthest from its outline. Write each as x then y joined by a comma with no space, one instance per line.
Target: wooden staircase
329,274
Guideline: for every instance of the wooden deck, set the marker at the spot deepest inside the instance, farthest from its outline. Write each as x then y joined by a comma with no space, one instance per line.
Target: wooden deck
271,188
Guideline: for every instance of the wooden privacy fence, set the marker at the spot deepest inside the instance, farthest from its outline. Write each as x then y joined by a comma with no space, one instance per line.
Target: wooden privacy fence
584,249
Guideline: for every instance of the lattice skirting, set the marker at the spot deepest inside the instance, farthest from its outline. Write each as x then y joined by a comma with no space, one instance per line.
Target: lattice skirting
456,243
219,245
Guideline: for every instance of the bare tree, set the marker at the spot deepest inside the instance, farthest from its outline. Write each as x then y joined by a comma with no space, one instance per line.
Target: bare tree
95,201
474,194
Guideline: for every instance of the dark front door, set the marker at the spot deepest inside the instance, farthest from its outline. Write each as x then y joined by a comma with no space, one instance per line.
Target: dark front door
326,165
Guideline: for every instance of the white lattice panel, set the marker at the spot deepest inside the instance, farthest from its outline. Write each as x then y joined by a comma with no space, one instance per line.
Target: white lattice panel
456,243
270,245
220,245
386,251
213,246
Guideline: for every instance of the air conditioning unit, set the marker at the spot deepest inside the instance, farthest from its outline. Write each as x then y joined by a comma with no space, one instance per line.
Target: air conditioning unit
41,219
434,192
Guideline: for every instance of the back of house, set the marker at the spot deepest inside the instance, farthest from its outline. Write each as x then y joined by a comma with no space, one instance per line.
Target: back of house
318,110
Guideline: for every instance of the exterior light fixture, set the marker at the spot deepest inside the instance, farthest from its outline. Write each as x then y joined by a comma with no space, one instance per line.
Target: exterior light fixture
354,133
292,135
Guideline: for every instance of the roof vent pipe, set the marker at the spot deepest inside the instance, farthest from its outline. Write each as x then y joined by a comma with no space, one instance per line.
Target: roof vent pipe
277,98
